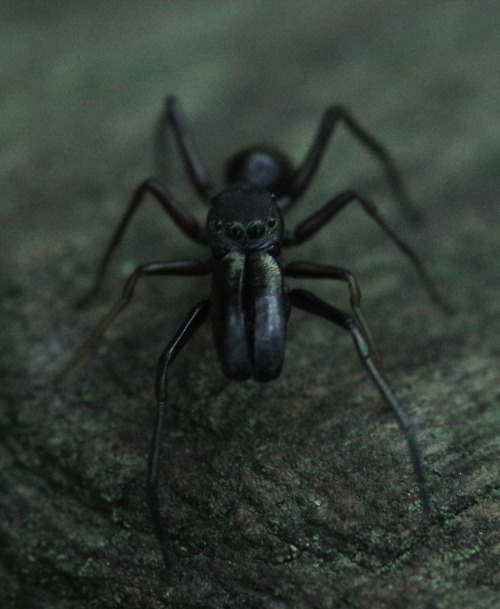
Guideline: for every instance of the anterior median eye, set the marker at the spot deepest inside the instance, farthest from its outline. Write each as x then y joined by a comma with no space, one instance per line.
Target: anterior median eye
256,229
234,230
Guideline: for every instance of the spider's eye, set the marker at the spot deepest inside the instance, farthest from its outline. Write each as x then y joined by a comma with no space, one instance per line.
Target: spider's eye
219,225
271,221
256,229
234,230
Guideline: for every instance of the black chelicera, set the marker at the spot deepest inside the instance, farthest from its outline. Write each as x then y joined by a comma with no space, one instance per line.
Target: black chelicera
249,304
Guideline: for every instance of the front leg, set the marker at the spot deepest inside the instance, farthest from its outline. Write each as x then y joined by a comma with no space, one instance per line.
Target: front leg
308,270
309,302
193,321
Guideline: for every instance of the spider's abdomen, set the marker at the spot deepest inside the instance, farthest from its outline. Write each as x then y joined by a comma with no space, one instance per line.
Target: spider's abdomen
249,311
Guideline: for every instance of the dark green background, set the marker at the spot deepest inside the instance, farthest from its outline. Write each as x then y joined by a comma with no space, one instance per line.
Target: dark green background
294,494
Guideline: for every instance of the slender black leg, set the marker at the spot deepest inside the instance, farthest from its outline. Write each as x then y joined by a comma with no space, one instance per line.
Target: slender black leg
307,169
308,270
312,224
187,267
193,321
187,223
309,302
198,174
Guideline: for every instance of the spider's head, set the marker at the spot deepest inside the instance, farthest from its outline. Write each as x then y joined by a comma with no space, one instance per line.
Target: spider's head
244,218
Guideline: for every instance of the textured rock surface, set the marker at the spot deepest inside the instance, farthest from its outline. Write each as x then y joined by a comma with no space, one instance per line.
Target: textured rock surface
294,494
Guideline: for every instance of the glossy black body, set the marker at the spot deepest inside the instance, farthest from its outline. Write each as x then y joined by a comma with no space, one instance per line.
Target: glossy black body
249,303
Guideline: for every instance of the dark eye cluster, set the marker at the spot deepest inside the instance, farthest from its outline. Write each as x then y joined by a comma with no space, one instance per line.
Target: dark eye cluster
237,232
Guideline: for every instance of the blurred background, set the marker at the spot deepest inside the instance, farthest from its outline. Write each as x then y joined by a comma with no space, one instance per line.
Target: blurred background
81,87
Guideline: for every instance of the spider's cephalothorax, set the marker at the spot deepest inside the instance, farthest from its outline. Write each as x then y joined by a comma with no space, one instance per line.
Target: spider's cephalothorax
244,218
249,303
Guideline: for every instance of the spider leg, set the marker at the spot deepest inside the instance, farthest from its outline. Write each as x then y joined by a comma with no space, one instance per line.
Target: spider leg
184,220
187,267
199,176
307,169
308,270
312,224
194,320
306,301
